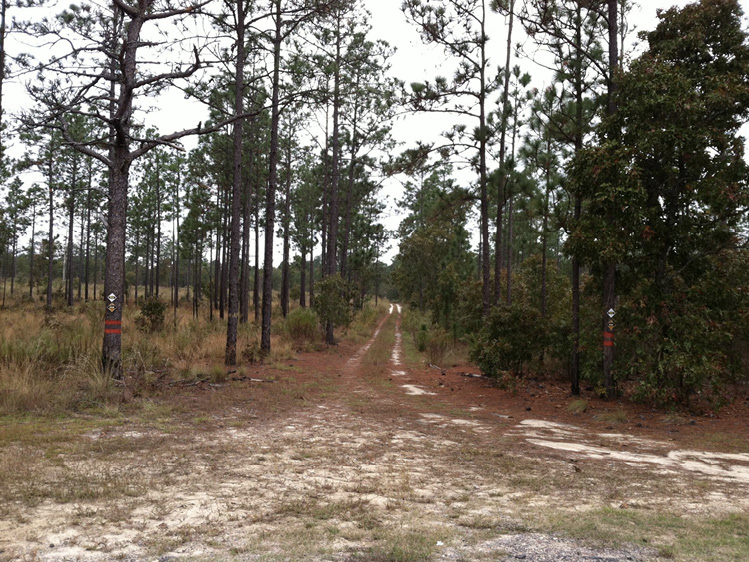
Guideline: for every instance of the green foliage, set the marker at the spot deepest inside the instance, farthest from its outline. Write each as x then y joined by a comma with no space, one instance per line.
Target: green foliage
434,258
332,301
416,324
667,195
557,324
437,346
152,314
512,335
302,326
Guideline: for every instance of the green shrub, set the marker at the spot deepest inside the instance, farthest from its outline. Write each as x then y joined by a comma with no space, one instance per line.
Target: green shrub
152,314
437,346
512,335
302,325
332,301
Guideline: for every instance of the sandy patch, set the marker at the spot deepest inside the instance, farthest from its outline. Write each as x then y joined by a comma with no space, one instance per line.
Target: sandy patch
415,390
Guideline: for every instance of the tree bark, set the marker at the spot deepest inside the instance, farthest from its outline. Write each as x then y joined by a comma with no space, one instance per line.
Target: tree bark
51,234
303,277
270,201
286,233
609,276
233,321
485,253
333,209
502,155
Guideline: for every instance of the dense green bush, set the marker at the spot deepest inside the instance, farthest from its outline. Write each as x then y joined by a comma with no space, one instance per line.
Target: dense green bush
152,314
333,301
512,335
416,324
302,326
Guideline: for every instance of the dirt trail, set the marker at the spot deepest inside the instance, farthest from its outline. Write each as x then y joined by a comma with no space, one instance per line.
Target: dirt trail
388,462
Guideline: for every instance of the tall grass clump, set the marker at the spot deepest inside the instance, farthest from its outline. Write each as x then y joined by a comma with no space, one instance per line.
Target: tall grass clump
302,326
365,321
437,346
50,361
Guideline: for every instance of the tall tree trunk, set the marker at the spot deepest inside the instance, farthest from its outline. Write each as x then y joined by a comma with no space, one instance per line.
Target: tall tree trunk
270,201
3,8
225,250
486,300
333,209
244,301
81,264
114,275
97,273
14,251
286,233
575,367
51,240
312,275
88,229
233,321
510,208
31,249
325,195
157,274
502,158
609,276
256,277
175,244
137,265
349,195
71,225
217,260
303,277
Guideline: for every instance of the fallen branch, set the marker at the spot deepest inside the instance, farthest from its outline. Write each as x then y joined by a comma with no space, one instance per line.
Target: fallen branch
251,379
440,369
473,375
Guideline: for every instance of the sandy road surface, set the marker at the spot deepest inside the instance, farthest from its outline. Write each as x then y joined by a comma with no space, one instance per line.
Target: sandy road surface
377,462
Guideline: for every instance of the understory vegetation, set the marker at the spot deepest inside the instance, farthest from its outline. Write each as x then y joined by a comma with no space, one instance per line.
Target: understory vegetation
50,361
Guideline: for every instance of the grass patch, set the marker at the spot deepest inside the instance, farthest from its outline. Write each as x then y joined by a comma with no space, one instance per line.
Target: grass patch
578,406
381,349
618,416
709,539
404,545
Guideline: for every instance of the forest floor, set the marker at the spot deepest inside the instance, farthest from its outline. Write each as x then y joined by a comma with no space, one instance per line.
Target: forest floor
360,453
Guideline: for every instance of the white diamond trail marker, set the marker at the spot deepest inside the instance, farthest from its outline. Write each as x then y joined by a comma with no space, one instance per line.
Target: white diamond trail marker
112,297
611,312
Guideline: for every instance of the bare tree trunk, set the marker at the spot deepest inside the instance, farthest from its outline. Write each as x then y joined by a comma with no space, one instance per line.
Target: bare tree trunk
232,324
575,366
114,275
51,240
303,278
486,300
333,210
349,196
71,225
244,301
502,155
312,275
88,228
256,278
286,233
157,274
270,201
609,276
31,249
